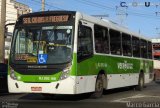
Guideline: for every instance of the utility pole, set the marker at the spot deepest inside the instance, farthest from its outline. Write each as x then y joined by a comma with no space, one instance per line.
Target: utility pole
2,29
43,5
121,13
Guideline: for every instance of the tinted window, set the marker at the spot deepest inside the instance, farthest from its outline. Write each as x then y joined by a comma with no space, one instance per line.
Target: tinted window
85,46
126,44
101,39
55,41
143,48
136,46
150,50
115,42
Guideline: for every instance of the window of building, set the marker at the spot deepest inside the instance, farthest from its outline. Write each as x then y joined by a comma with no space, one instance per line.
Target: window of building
136,46
101,39
143,47
126,44
115,42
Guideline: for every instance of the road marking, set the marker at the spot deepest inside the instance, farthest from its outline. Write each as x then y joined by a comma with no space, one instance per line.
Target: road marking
124,100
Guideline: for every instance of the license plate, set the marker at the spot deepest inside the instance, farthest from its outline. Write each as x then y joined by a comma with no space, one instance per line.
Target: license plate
36,88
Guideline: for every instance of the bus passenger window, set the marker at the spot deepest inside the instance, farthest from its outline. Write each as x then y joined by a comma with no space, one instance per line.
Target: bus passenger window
85,44
115,42
135,46
101,39
126,44
143,47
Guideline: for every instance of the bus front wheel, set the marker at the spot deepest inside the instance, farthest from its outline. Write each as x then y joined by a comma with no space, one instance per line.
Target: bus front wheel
98,87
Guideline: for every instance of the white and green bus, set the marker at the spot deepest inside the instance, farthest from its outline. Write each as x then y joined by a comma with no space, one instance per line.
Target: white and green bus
67,52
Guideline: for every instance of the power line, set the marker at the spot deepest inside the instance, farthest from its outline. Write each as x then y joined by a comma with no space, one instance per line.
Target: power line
91,3
140,10
47,4
95,4
150,13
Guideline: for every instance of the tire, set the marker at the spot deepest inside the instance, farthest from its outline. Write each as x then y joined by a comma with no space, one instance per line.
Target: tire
154,78
98,87
140,85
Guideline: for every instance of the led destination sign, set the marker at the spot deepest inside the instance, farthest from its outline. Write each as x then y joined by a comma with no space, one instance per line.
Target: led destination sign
45,19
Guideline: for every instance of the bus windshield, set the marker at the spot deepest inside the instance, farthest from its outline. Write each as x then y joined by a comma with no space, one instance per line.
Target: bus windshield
42,45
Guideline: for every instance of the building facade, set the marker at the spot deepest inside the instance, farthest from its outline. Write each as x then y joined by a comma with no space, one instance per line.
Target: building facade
156,48
13,10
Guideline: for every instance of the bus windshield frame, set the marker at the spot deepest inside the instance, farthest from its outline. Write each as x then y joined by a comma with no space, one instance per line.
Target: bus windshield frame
53,41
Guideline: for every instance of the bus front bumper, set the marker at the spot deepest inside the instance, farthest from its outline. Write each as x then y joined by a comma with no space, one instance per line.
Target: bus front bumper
66,86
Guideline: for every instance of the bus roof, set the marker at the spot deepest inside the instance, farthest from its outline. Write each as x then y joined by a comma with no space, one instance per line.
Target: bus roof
112,25
102,22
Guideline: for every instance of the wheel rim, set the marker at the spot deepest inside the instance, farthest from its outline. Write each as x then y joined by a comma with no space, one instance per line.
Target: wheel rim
141,82
99,86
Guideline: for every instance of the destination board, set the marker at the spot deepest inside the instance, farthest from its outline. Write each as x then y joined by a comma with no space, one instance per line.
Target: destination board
45,19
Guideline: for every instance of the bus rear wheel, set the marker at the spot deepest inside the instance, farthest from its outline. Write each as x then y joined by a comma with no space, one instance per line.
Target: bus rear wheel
98,87
140,85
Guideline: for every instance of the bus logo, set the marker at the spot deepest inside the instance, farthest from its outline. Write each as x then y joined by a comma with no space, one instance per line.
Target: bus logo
125,66
101,65
42,58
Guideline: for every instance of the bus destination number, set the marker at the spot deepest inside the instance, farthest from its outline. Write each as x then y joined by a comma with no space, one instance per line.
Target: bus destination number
45,19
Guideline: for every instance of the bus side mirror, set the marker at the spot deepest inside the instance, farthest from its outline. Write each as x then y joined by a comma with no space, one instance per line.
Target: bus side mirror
6,29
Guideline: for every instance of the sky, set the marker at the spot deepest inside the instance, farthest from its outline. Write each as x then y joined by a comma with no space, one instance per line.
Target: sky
132,14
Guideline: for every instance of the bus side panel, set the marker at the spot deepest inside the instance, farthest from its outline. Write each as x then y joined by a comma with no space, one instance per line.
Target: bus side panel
115,68
120,71
147,68
86,76
122,80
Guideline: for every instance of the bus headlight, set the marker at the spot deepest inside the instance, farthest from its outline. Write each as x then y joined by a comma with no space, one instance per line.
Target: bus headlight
65,73
12,74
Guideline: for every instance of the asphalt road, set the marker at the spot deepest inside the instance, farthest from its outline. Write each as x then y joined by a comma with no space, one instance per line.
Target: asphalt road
116,98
